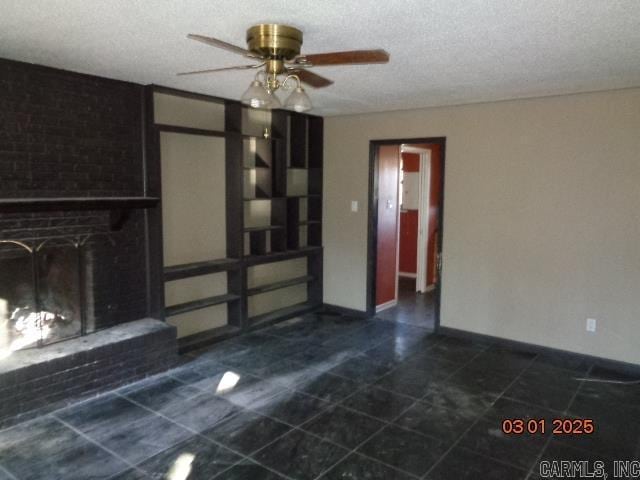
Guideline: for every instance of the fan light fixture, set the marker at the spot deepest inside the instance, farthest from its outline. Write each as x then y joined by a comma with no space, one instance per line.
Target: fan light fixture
275,49
261,93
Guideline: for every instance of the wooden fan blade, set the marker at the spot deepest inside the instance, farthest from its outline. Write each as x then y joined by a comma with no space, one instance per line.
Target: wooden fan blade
352,57
214,42
312,79
213,70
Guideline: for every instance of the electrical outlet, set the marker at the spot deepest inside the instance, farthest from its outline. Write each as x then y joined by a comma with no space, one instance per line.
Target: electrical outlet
591,324
354,206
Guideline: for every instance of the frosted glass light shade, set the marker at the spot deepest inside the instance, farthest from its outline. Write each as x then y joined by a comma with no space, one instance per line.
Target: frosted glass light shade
274,101
256,96
298,100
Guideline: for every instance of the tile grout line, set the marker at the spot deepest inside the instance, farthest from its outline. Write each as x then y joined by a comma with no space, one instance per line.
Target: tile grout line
300,428
252,410
387,423
200,435
565,412
96,443
8,473
354,450
477,420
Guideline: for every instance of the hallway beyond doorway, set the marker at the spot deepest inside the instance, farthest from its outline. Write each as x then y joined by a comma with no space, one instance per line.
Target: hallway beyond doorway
413,308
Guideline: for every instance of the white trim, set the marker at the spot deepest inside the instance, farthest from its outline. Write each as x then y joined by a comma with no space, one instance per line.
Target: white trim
423,221
407,274
430,288
385,306
411,149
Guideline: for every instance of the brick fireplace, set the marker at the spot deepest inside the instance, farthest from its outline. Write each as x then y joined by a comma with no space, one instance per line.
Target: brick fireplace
75,224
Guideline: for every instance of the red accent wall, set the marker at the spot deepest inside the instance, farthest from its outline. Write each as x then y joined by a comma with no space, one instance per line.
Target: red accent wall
387,233
409,223
408,241
410,162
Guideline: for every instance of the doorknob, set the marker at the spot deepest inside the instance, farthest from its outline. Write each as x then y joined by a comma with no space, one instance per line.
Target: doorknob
389,204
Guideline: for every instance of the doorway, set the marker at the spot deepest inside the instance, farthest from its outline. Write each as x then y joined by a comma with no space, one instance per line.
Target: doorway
406,193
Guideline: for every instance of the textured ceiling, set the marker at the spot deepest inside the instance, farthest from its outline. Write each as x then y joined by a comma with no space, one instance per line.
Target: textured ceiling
443,52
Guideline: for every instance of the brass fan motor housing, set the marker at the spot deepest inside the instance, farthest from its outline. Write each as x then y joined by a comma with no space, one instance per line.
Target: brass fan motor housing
273,41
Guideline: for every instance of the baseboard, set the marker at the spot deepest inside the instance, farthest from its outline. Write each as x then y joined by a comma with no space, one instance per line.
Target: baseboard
385,306
430,288
407,274
616,365
347,312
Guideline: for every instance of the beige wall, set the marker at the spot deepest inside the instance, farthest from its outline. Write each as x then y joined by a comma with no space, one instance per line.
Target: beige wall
541,216
194,223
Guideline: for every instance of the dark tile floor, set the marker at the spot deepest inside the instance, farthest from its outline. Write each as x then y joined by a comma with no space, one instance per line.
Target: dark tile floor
413,308
332,398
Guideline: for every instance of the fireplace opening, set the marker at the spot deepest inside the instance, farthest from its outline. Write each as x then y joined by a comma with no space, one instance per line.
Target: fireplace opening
47,291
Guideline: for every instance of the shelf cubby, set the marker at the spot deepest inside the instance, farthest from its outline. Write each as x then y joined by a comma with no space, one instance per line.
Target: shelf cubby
298,141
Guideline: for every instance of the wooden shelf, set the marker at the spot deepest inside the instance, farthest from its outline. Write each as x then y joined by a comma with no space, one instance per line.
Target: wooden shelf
199,304
264,229
279,256
282,314
253,199
177,272
189,130
269,287
277,138
76,203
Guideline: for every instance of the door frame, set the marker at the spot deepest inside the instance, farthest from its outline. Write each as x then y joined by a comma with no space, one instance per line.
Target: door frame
372,221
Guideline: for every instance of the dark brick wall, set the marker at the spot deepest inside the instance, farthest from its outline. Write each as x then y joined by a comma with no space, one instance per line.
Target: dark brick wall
64,134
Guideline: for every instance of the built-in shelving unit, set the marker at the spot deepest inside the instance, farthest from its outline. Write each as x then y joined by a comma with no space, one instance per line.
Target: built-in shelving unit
273,176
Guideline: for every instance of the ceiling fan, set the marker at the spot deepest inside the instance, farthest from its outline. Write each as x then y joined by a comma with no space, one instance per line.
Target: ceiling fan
276,48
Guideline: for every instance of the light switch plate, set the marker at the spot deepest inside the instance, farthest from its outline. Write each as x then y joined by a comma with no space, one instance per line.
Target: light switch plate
354,205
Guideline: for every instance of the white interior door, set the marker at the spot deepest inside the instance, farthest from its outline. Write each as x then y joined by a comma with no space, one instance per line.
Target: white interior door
423,221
